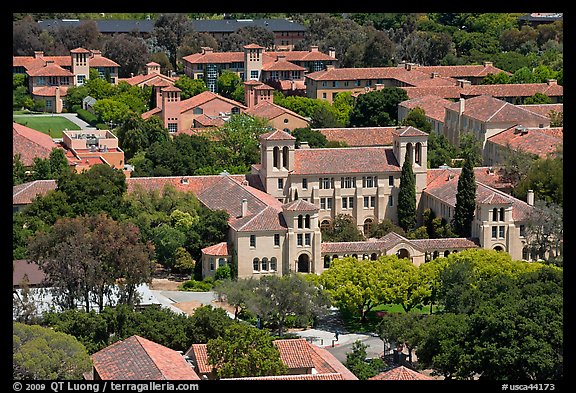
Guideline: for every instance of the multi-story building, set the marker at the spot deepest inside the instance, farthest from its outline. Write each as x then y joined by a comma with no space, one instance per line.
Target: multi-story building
285,69
49,77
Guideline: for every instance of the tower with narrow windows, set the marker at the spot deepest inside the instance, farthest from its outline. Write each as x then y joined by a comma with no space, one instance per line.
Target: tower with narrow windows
252,62
277,161
412,144
80,65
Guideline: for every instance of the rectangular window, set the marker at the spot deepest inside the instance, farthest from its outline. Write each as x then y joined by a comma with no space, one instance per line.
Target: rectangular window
280,184
273,264
522,230
256,265
501,232
351,202
494,232
252,240
254,74
329,203
322,203
326,183
304,184
372,201
80,79
276,239
211,264
366,202
344,203
307,239
172,127
264,264
299,239
390,201
390,180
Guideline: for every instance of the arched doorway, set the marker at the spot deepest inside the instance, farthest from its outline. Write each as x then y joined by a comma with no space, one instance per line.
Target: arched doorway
403,253
303,265
498,248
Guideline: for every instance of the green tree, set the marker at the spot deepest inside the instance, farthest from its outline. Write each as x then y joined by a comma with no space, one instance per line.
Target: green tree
88,259
357,363
384,227
417,118
244,351
276,298
377,108
190,87
236,293
170,29
407,196
538,98
39,353
465,201
342,228
314,137
545,231
227,83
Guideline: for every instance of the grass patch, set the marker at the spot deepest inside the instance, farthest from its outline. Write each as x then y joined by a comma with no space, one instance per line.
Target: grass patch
50,125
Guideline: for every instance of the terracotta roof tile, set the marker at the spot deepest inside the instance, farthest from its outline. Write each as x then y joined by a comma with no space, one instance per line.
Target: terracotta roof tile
199,356
31,270
282,65
487,108
344,160
543,109
30,144
462,71
294,377
300,205
401,373
434,107
295,353
538,141
220,249
360,136
269,110
203,98
515,89
50,69
139,358
50,91
277,135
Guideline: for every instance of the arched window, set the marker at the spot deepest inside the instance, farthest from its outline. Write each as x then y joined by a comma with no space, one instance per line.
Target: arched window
435,255
335,256
325,225
265,263
374,256
501,214
495,214
526,253
256,264
307,221
285,156
276,157
273,263
368,227
446,253
300,221
355,256
326,261
418,153
410,153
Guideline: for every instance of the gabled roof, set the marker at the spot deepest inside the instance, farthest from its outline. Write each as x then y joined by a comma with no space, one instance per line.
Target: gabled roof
300,205
24,268
277,135
24,194
487,108
203,98
538,141
400,373
443,185
137,358
269,110
220,249
434,107
515,89
30,144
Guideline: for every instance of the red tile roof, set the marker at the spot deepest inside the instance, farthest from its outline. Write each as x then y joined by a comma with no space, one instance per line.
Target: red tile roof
220,249
50,91
277,135
360,136
268,110
49,69
24,194
448,92
203,98
30,144
538,141
487,108
434,107
282,65
515,89
443,185
401,373
153,79
138,358
300,205
462,71
294,353
348,160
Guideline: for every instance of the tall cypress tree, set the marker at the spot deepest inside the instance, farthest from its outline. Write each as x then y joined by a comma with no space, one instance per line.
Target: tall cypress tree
465,200
407,196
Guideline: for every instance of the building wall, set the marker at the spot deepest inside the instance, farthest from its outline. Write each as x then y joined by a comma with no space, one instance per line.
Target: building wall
210,108
288,122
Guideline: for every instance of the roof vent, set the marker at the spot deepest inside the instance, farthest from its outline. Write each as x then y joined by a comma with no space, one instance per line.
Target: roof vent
184,180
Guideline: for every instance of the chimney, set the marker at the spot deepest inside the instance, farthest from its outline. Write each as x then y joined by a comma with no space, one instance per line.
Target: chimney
332,52
207,49
314,48
434,75
552,82
281,57
462,83
530,197
329,67
304,145
38,54
487,63
462,106
96,53
244,207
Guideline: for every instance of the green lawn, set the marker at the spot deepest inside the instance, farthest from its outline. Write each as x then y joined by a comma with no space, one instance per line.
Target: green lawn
51,125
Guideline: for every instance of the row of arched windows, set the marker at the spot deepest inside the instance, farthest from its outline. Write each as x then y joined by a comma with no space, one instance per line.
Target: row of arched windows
304,221
265,264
